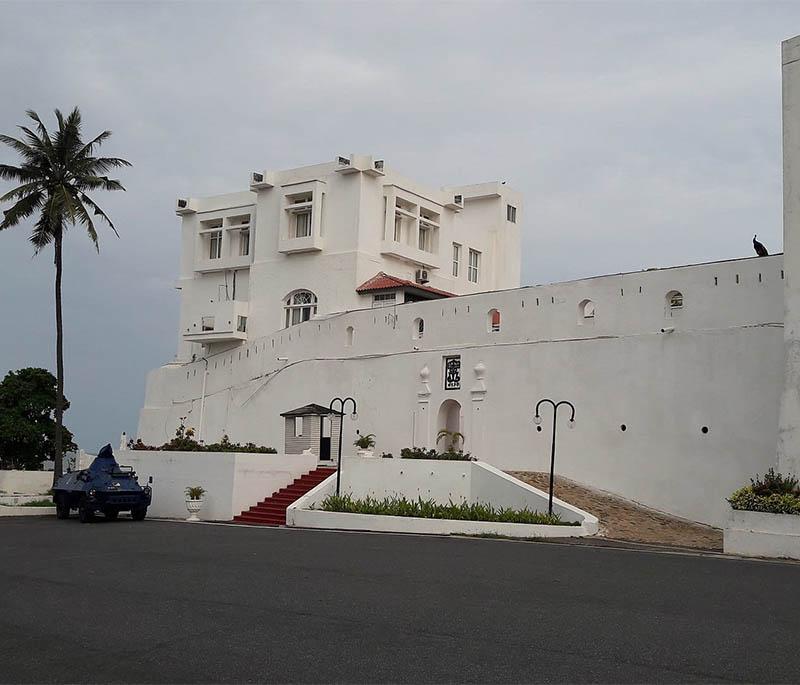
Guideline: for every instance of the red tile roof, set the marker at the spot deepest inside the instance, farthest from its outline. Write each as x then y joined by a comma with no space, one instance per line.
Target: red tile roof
383,281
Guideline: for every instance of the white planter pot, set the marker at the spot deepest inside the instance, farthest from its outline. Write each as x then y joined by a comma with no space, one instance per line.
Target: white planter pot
193,506
365,453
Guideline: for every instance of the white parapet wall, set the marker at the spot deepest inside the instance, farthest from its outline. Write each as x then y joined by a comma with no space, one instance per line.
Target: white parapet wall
756,534
443,482
26,482
233,481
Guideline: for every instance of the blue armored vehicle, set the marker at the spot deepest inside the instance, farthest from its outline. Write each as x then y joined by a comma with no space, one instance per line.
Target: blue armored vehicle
104,487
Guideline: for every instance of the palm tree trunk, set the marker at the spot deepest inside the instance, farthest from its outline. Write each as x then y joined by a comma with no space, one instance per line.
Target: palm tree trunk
58,455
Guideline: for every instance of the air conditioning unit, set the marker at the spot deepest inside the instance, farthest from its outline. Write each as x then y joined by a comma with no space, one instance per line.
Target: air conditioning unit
184,206
421,276
261,179
457,203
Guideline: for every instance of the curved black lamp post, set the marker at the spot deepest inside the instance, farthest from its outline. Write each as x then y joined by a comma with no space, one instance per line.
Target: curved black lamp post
537,419
354,415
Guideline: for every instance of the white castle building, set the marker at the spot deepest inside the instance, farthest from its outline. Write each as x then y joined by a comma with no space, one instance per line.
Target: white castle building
345,278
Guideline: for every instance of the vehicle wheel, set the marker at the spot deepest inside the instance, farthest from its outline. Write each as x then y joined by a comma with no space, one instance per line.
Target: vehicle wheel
62,508
85,515
111,514
139,513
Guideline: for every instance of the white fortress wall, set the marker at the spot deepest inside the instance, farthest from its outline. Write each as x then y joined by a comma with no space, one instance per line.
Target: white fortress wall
721,367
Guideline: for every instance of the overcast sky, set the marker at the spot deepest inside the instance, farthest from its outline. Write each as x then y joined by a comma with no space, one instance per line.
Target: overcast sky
641,134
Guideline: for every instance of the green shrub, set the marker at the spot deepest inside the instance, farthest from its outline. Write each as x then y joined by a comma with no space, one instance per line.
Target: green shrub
775,484
422,453
195,492
747,499
365,442
38,503
184,442
463,511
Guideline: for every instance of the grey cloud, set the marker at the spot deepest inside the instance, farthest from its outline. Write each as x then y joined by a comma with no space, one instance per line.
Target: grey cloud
641,134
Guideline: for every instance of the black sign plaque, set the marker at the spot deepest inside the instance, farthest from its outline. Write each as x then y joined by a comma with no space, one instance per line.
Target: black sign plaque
452,373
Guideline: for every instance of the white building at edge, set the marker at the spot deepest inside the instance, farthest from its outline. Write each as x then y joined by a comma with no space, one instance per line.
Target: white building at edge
335,280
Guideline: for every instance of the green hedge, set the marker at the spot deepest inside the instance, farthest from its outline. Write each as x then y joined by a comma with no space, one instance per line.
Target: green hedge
422,453
773,494
777,503
464,511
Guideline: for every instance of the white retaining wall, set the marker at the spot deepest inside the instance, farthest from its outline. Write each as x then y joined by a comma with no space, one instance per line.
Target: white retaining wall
26,482
233,481
443,482
664,375
757,534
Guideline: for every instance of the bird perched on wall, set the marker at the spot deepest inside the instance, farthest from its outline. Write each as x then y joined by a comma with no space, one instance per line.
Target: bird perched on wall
761,251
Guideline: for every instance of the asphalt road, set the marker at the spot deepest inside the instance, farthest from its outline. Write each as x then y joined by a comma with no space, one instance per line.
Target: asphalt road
173,602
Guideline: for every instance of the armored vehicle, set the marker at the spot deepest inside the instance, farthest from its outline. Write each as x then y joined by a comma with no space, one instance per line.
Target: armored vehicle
104,487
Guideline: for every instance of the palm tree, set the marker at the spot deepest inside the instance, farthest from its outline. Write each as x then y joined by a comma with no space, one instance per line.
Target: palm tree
55,173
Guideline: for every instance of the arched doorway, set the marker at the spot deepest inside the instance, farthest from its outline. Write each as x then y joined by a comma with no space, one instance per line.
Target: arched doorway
449,419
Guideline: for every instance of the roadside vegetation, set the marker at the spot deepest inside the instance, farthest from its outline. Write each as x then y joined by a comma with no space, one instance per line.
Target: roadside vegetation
27,424
38,503
772,494
463,511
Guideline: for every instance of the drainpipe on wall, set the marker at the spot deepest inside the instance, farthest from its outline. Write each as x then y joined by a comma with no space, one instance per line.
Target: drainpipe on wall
789,427
202,402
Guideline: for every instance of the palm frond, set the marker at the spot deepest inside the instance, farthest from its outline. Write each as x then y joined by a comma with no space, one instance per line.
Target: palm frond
98,212
16,173
21,148
22,209
21,191
87,149
86,220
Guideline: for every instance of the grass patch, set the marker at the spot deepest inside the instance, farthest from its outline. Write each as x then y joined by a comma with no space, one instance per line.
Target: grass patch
428,509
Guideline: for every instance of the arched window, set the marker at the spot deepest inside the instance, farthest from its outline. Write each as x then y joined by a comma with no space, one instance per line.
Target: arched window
419,329
300,306
350,333
494,320
674,303
586,312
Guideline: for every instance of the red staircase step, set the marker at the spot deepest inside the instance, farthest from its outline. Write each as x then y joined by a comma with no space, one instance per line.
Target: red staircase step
271,511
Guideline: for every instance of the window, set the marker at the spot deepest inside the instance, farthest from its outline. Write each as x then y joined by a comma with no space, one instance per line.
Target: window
207,323
474,266
424,237
298,426
350,333
511,214
215,245
300,306
398,227
244,243
241,324
418,330
494,321
674,302
586,311
383,300
302,224
456,258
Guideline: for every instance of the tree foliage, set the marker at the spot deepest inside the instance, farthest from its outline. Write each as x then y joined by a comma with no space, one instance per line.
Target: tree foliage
27,424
